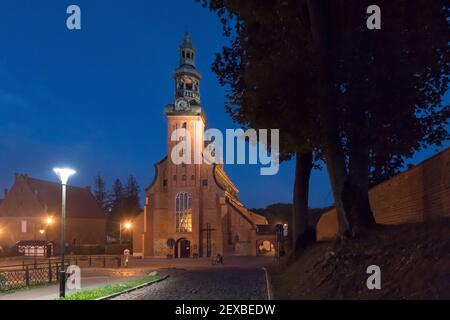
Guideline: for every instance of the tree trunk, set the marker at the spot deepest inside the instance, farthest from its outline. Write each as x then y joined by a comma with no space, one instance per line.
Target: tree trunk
358,185
303,167
319,15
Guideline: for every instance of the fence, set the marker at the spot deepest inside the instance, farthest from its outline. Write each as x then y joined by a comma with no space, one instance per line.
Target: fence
34,273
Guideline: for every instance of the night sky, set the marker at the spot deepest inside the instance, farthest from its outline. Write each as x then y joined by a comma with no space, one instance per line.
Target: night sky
93,99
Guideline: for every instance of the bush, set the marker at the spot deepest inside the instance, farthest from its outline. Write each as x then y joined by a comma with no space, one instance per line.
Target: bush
117,248
8,252
88,249
3,281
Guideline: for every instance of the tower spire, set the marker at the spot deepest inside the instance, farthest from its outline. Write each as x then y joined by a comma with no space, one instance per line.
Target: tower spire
187,81
187,51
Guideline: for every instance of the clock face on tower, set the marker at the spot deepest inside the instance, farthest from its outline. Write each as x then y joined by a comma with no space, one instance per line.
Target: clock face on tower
181,105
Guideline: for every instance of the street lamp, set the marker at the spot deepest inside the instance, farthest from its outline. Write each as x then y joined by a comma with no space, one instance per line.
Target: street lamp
49,221
127,226
64,175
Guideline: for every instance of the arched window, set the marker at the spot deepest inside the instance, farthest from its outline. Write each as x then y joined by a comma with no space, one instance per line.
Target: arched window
183,207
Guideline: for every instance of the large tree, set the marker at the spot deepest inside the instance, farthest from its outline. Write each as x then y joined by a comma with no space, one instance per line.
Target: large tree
100,192
365,99
132,201
259,72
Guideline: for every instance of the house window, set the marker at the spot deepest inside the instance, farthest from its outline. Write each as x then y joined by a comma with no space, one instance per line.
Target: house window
205,183
183,206
23,226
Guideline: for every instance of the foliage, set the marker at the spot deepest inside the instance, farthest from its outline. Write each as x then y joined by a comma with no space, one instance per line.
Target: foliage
100,192
116,248
365,99
88,249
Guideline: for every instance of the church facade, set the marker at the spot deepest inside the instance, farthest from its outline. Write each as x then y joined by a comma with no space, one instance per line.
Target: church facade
192,210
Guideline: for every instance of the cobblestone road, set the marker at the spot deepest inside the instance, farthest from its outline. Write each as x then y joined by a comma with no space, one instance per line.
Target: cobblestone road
204,284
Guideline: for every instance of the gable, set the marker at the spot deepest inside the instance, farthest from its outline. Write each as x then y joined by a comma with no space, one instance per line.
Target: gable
33,197
20,201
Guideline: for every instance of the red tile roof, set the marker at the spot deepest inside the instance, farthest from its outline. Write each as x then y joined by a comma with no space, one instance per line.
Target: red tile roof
80,201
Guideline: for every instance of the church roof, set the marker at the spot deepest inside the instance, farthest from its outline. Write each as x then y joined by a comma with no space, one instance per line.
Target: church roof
250,216
224,182
80,201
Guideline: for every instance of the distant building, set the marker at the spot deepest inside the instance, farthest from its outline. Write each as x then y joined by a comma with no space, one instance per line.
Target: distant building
193,209
31,212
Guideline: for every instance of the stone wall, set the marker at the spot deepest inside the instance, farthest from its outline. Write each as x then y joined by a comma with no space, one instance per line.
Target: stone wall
419,194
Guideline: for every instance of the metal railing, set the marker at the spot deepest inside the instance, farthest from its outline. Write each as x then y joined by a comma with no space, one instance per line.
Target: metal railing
46,271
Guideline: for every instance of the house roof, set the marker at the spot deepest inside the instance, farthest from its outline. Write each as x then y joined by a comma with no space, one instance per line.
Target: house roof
80,201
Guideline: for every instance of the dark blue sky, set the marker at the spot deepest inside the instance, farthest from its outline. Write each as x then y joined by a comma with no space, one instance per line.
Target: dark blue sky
93,99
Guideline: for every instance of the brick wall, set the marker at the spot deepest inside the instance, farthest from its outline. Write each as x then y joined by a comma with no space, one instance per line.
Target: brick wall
419,194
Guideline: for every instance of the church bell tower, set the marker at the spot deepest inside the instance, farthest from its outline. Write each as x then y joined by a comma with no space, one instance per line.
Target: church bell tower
187,82
186,112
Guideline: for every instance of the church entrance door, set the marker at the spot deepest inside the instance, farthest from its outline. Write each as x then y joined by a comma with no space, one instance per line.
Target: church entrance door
183,248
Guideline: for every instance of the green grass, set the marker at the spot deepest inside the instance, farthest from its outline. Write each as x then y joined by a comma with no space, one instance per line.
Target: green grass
92,294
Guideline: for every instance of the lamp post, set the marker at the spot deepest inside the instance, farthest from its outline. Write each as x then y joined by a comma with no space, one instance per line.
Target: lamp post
127,226
64,175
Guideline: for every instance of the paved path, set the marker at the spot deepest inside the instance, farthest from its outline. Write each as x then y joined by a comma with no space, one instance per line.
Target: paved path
239,278
216,283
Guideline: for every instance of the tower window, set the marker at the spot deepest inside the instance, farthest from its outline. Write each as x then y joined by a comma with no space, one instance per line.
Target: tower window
183,206
165,183
183,177
205,183
192,177
184,126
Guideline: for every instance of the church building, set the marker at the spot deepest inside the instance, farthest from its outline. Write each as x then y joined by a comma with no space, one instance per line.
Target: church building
192,210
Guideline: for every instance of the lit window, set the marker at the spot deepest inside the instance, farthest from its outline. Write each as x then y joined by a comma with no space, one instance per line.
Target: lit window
23,226
183,206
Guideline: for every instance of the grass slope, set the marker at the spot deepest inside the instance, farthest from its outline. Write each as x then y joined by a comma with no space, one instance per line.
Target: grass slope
414,261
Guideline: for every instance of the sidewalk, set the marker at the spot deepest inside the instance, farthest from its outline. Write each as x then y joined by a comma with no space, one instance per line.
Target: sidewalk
90,278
